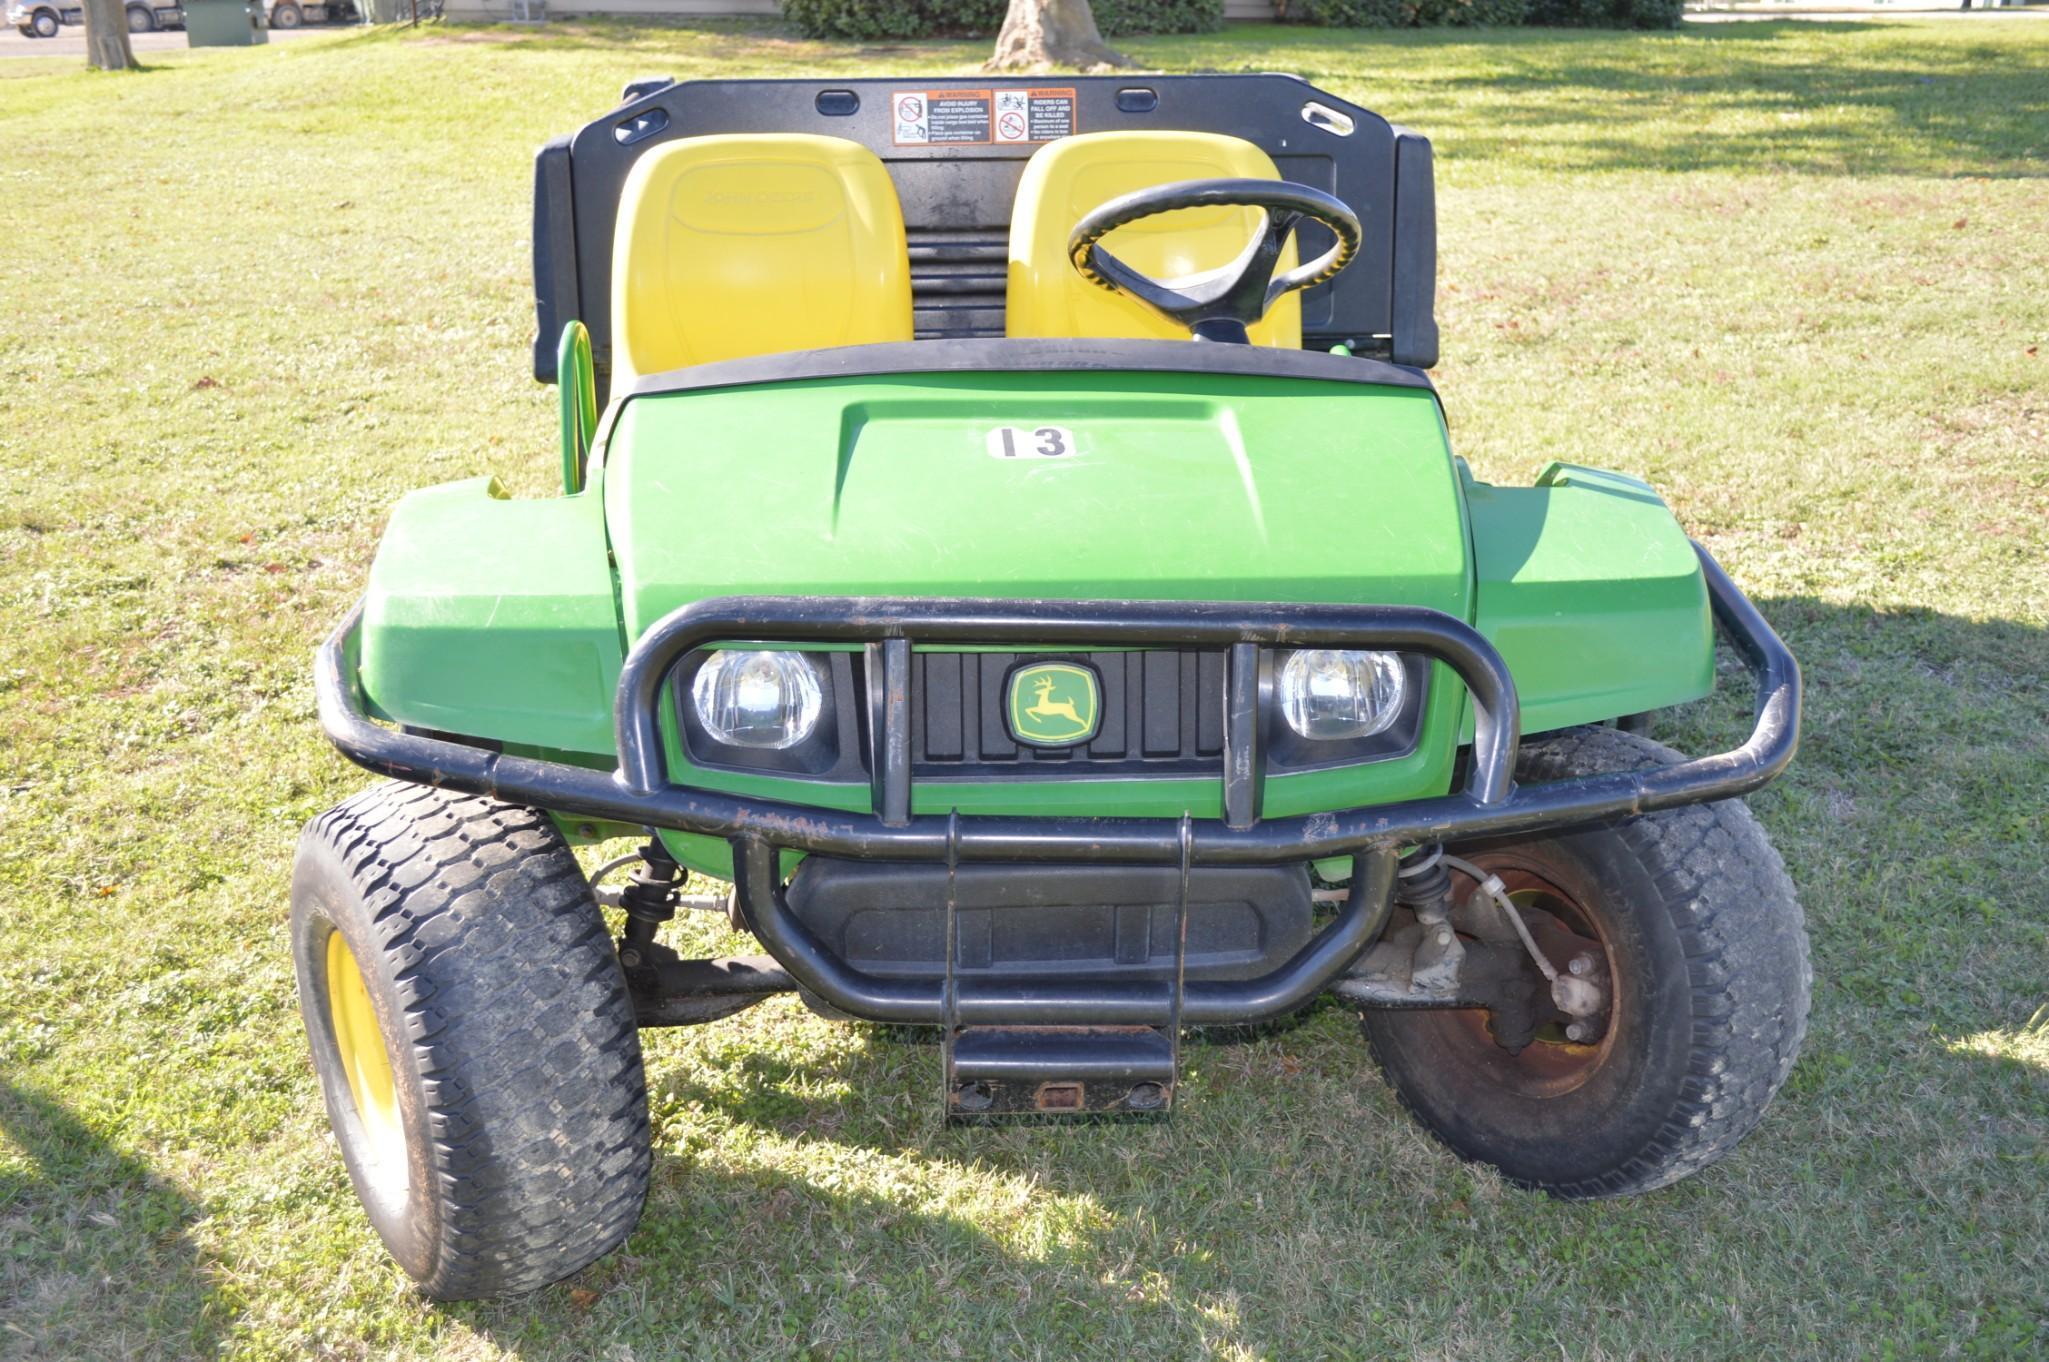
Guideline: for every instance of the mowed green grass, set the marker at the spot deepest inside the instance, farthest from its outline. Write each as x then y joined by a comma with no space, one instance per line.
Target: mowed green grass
1795,275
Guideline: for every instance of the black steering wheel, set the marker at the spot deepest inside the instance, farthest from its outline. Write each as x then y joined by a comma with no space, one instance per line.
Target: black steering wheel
1218,304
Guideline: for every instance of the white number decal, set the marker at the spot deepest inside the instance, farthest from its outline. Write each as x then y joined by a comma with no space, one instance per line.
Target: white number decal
1031,442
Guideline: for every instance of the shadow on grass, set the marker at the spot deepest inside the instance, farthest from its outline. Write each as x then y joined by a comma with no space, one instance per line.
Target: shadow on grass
774,47
1748,97
825,1209
94,1256
1787,96
766,1089
1909,822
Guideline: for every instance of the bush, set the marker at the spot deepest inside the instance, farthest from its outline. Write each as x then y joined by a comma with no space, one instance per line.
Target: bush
1403,13
1468,13
1345,13
1121,18
868,19
1490,13
1607,13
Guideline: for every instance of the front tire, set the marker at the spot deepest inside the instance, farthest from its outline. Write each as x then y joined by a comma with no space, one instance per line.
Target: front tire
1693,921
473,1037
43,25
286,16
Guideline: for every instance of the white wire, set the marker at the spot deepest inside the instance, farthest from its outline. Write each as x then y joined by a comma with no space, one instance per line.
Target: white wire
608,867
1493,885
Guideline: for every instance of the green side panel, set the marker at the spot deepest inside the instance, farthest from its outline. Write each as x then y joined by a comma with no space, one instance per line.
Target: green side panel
1178,487
1592,593
494,618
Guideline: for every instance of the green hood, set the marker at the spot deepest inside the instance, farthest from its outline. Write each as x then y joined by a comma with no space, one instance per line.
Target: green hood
1175,487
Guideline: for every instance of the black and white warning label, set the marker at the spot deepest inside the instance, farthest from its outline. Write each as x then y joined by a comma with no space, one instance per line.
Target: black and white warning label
955,117
1051,114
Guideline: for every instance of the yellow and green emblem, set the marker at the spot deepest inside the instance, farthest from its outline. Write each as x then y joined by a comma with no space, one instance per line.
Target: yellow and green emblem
1054,704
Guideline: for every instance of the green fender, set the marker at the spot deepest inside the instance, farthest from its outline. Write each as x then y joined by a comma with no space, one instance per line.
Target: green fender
1593,595
494,618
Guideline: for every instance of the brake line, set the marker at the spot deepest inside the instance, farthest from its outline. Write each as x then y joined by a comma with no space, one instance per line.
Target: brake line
1491,883
1577,997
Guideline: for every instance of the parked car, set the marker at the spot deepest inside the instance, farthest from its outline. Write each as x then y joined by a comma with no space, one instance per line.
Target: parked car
147,18
293,13
41,19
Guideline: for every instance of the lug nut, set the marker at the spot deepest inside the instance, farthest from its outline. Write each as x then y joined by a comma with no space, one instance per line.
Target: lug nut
1581,964
1578,1031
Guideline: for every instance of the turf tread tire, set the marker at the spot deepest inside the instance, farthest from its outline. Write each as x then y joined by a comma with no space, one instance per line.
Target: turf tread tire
525,1074
1724,890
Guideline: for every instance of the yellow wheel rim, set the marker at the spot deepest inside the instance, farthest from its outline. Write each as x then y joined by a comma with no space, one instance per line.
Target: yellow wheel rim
366,1063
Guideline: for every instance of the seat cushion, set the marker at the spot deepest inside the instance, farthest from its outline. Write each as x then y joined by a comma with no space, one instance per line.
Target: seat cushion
746,245
1067,179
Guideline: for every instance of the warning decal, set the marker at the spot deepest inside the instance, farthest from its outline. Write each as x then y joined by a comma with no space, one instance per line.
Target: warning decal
935,117
956,117
1052,114
1013,115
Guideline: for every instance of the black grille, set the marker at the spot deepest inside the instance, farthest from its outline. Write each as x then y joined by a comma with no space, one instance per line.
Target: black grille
1163,714
957,281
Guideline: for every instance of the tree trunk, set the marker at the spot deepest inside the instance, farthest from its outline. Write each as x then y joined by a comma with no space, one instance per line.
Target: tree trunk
1039,35
106,36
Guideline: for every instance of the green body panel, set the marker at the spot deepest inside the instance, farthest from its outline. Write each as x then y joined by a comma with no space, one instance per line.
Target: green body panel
494,618
1180,487
506,620
1593,595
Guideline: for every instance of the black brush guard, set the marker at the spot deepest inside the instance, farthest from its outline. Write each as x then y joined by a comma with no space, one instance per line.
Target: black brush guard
640,791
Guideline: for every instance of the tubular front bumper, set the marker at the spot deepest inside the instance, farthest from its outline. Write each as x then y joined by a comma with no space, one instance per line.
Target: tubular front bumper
640,791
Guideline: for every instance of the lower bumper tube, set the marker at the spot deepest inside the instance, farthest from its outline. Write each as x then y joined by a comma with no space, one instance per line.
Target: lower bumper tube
998,1002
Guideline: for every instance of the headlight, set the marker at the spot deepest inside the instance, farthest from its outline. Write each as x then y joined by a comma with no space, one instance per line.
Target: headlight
1327,694
757,699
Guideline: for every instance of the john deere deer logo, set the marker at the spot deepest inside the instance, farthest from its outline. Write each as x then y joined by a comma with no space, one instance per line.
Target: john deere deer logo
1054,704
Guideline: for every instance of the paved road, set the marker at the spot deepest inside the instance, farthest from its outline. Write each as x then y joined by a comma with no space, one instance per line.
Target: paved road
70,42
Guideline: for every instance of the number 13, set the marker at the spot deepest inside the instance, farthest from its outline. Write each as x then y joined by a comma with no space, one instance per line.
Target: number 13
1040,442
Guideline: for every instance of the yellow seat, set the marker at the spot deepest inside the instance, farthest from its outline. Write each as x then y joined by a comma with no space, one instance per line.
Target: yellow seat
747,245
1067,179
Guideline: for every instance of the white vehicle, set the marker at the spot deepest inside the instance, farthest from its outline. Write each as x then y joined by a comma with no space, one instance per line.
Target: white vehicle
42,19
293,13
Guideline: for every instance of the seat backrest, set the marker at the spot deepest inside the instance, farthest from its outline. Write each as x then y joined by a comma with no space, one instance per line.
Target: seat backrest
957,195
749,244
1067,179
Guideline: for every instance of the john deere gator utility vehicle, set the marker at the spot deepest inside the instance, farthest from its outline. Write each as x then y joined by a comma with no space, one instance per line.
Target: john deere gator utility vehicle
1008,533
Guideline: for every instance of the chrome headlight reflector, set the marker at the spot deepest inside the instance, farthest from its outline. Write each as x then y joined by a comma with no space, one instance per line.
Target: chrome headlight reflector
769,700
1329,694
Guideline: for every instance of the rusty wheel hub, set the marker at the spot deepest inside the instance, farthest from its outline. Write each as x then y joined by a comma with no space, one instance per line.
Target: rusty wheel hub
1561,1050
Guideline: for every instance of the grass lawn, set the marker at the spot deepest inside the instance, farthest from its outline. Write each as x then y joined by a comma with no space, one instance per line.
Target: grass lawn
1796,275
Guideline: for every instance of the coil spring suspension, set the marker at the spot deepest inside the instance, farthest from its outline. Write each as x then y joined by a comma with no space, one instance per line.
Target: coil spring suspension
650,899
